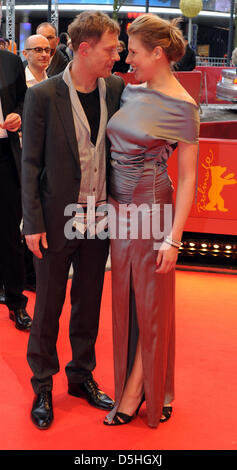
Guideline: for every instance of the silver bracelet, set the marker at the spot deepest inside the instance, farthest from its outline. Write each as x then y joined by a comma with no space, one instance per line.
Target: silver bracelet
173,243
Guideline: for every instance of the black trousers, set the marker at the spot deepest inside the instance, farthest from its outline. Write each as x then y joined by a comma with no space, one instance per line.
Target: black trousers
11,249
88,258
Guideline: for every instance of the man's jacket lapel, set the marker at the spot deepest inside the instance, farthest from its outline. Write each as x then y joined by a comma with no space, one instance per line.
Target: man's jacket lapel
64,108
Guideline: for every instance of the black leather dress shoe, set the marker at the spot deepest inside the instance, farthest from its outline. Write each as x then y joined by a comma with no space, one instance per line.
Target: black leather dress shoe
90,390
42,410
21,318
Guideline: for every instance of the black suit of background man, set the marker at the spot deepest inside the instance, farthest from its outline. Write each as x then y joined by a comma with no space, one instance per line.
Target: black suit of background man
12,93
188,61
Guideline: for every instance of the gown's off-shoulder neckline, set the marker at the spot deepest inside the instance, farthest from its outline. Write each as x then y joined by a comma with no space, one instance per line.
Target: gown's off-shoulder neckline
144,87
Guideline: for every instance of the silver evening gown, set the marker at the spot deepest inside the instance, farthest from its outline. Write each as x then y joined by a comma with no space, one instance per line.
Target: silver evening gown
143,134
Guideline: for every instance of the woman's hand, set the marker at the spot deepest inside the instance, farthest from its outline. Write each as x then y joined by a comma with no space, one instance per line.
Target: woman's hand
187,162
166,259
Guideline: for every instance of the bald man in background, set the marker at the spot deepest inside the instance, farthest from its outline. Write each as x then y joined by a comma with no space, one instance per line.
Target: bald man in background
37,53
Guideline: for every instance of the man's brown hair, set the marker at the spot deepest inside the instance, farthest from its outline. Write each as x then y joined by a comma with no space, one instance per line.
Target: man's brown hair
90,26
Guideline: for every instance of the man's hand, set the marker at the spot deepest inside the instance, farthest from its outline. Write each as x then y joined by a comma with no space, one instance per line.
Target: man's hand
12,122
33,242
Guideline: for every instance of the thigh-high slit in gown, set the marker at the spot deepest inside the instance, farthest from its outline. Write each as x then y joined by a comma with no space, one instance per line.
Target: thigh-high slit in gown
143,134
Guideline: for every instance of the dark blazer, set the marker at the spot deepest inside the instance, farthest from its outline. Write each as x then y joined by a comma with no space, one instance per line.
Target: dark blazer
12,92
57,64
188,61
50,162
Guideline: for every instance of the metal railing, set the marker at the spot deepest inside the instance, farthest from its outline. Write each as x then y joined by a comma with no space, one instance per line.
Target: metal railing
211,61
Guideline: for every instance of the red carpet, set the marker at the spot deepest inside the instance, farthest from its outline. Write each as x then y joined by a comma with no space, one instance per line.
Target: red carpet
205,409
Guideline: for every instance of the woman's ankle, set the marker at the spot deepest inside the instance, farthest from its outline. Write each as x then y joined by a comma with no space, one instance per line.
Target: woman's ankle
129,403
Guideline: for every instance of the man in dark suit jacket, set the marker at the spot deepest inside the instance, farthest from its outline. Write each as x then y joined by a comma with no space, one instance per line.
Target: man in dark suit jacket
64,163
59,60
12,93
188,61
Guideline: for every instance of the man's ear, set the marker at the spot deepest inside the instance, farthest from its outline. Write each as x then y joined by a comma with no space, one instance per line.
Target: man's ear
24,53
84,48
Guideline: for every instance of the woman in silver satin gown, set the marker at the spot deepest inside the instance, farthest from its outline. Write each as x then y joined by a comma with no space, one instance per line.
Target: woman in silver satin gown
153,118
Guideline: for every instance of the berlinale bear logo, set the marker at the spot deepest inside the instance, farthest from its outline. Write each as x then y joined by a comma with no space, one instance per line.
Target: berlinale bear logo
212,186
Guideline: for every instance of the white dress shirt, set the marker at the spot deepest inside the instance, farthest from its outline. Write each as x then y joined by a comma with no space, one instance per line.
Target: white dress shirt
30,78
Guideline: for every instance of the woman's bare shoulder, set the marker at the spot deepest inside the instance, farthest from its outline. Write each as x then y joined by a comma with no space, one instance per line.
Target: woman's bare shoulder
183,94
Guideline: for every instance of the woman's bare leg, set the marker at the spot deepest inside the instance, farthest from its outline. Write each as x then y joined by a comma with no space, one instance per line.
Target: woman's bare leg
133,390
